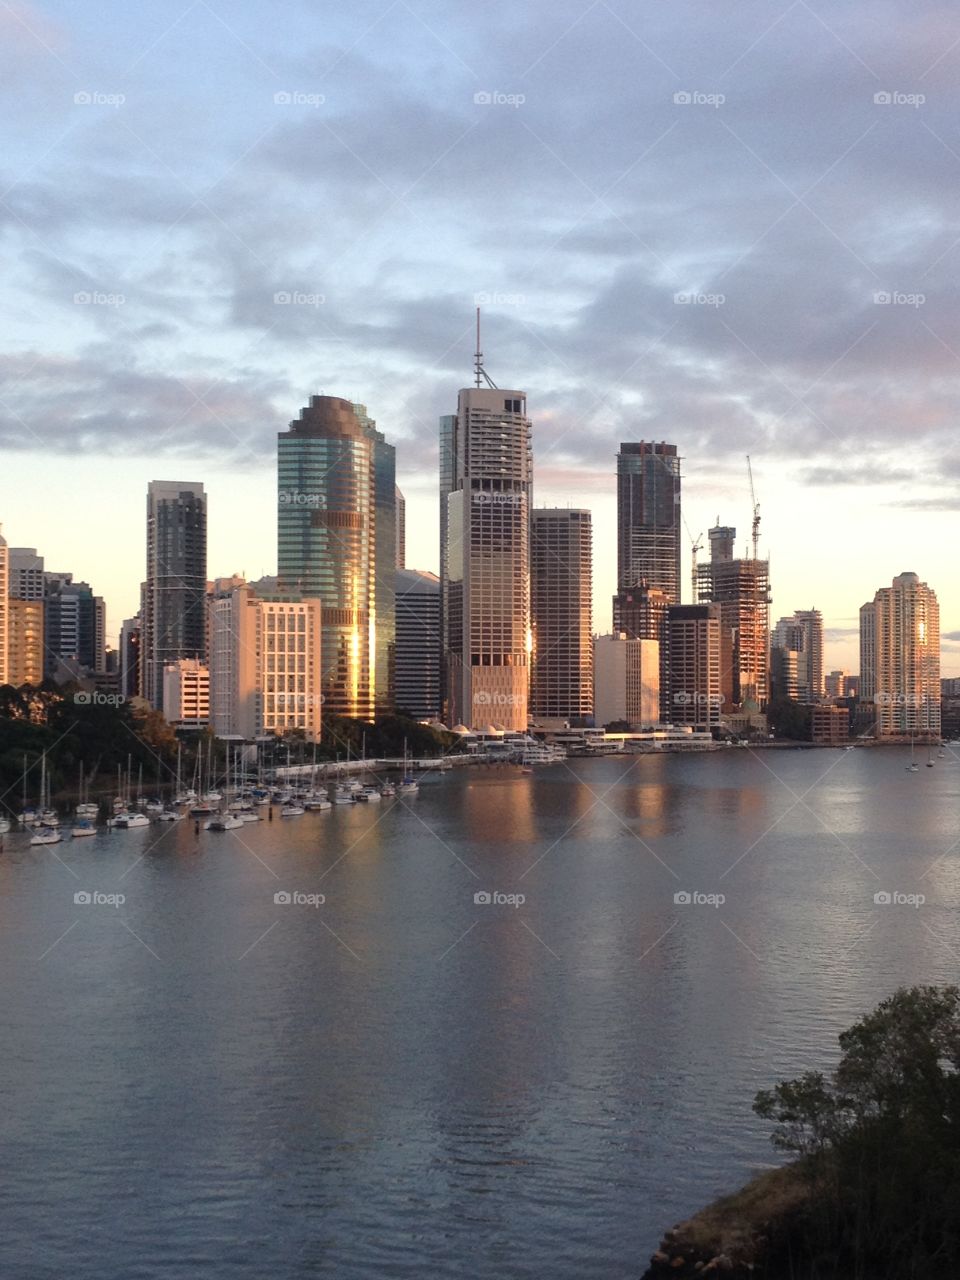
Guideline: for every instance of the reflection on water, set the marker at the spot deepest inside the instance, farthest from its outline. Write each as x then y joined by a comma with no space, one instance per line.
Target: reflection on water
405,1081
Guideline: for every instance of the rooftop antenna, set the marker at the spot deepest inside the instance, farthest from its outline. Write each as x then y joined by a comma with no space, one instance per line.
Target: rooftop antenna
478,370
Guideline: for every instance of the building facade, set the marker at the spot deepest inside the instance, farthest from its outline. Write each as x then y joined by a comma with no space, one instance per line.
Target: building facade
27,579
900,658
561,592
173,596
25,636
695,696
800,635
401,529
486,482
337,545
74,622
4,611
186,694
418,644
648,517
626,681
742,589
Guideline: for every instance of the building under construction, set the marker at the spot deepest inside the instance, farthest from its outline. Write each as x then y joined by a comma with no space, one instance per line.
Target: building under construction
742,589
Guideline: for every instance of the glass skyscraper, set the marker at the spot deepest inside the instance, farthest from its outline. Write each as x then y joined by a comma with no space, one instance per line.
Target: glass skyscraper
173,600
337,544
648,518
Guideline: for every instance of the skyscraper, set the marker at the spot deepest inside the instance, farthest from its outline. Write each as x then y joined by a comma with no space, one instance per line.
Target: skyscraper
73,624
797,653
25,646
486,482
641,613
26,573
648,518
695,697
418,643
742,589
900,658
174,593
4,615
337,544
401,529
561,592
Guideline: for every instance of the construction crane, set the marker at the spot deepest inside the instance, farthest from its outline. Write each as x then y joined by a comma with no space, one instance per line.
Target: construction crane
695,545
756,510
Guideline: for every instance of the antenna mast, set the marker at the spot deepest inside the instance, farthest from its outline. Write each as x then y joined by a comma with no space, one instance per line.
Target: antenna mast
478,370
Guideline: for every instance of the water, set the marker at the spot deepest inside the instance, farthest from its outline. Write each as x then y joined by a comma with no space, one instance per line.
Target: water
201,1082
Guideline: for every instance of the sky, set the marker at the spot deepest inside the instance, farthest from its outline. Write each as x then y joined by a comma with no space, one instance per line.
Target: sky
734,228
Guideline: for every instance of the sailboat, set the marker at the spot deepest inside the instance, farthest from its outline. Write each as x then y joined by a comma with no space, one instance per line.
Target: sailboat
930,760
408,785
912,767
48,832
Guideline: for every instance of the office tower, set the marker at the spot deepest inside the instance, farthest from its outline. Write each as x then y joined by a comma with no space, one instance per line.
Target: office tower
73,624
486,482
24,642
561,597
829,725
900,658
800,635
626,681
641,613
26,573
4,615
742,589
130,657
835,684
186,693
337,544
785,675
648,518
173,596
695,695
401,529
265,662
418,644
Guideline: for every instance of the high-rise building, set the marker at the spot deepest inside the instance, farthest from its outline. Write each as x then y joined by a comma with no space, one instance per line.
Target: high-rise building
25,642
337,544
401,529
486,482
186,693
742,589
265,663
695,696
626,681
900,658
561,594
130,657
835,684
4,614
174,594
648,517
73,624
418,644
27,579
641,613
800,635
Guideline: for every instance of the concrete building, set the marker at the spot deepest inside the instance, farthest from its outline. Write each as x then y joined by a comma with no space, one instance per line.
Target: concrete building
829,725
800,635
834,684
626,681
486,477
742,589
900,658
186,694
401,503
265,663
25,642
173,596
4,611
648,517
561,590
74,622
694,634
418,643
337,545
27,579
641,613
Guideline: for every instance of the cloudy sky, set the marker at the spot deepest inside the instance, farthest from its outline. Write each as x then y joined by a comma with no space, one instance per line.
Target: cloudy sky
731,227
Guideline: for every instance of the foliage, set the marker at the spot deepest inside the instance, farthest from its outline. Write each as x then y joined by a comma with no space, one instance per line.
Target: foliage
789,719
